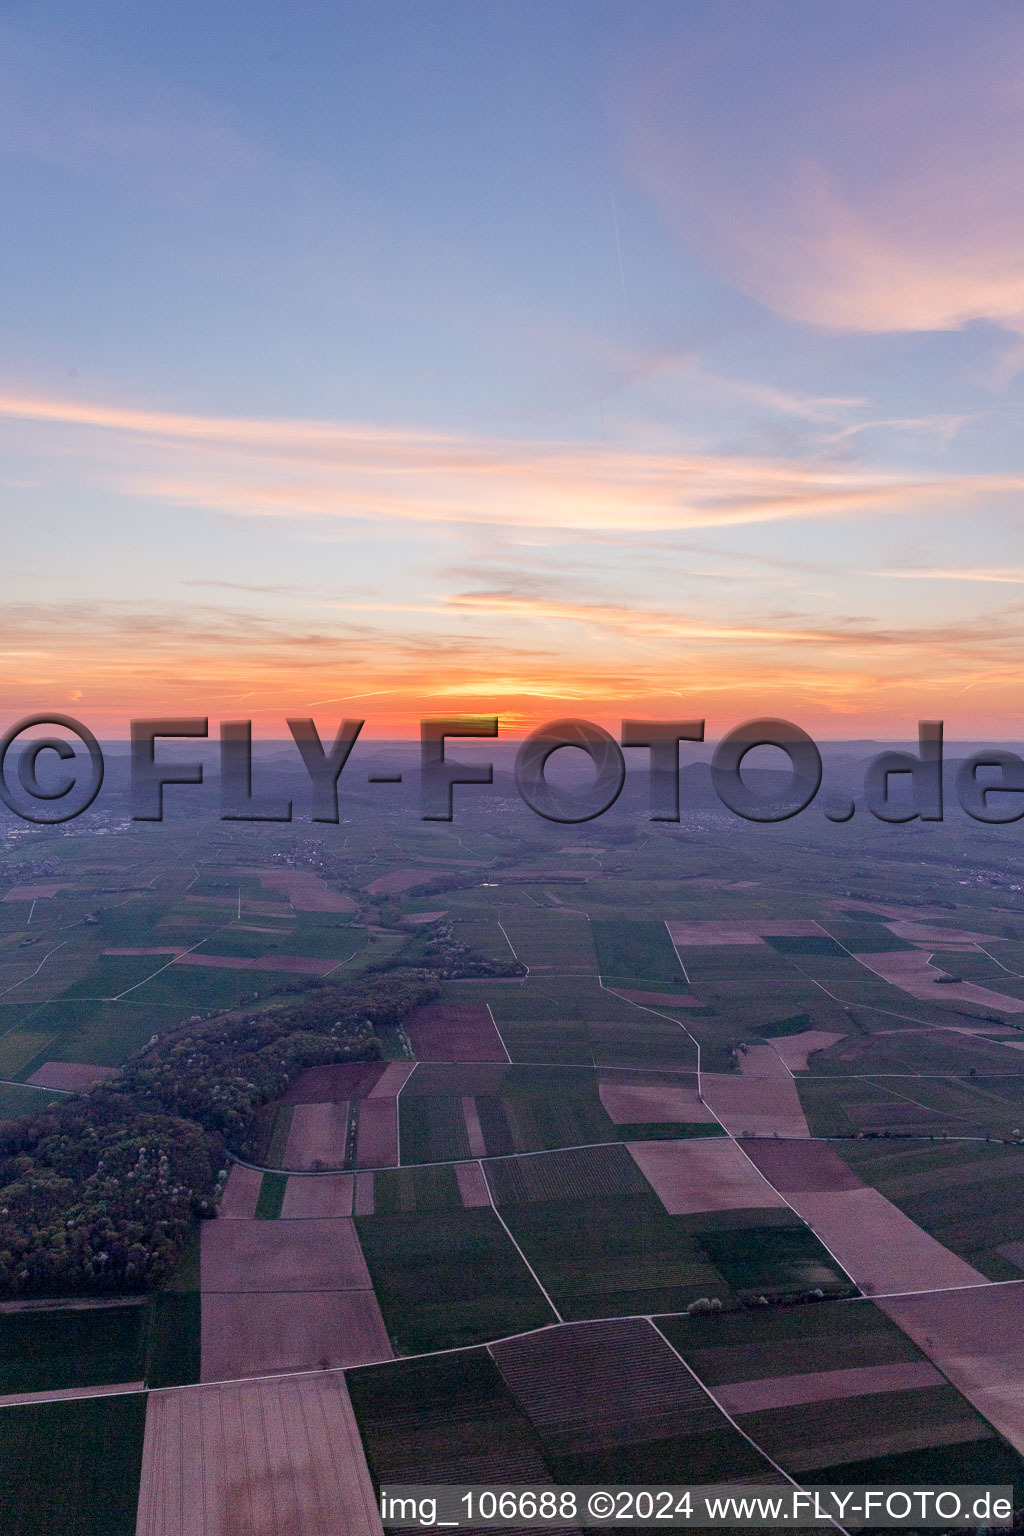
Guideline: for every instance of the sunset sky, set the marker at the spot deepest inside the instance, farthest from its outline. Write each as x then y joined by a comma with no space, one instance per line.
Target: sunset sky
597,358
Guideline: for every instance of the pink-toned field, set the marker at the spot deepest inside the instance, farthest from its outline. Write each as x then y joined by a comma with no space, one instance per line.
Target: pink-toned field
796,1050
332,1084
377,1133
318,1136
415,919
247,1334
400,880
757,1106
74,1076
879,1247
36,892
657,999
911,971
392,1080
474,1131
241,1193
711,931
64,1394
151,949
261,1458
362,1201
826,1386
812,1166
645,1103
328,1194
300,965
974,1337
456,1032
310,1255
720,931
472,1185
307,892
760,1060
711,1175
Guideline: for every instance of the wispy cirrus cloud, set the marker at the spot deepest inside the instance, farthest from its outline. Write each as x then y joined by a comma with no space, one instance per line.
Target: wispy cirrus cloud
1011,574
878,190
293,468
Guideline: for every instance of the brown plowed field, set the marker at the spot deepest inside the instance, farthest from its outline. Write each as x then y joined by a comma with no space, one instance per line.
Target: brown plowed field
762,1061
401,880
64,1394
76,1076
879,1247
256,1335
266,1458
756,1105
328,1194
36,892
306,891
456,1032
377,1136
362,1202
717,931
472,1185
974,1336
711,1175
796,1050
474,1133
314,1255
711,932
317,1136
911,971
333,1084
241,1193
645,1103
393,1079
150,949
300,965
812,1166
826,1386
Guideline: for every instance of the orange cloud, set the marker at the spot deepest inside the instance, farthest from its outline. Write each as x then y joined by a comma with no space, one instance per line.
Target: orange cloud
124,663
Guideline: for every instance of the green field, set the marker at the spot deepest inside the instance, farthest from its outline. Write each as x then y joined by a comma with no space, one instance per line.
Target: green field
446,1278
271,1196
637,954
173,1338
71,1468
48,1348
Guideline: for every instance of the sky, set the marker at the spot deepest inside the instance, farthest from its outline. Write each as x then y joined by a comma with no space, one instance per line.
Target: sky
658,360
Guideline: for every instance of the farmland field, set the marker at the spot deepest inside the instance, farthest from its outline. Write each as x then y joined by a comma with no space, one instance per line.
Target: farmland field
522,1169
72,1466
448,1277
